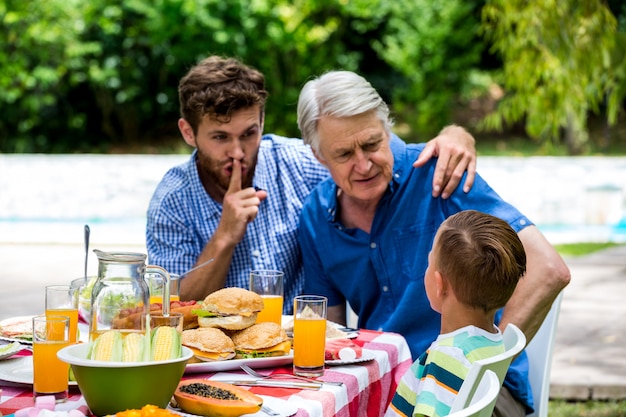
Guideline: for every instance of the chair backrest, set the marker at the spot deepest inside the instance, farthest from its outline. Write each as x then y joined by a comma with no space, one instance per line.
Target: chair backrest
484,399
539,352
514,342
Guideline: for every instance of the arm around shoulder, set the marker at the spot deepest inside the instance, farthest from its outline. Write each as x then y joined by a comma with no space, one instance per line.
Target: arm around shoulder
456,152
546,276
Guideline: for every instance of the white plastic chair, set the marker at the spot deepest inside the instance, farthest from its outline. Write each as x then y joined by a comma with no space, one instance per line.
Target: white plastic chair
514,342
484,399
539,352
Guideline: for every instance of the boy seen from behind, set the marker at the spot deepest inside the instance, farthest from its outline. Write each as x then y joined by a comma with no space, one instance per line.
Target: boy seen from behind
473,268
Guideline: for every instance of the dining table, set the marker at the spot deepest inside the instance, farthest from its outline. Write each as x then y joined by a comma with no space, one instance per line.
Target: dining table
368,383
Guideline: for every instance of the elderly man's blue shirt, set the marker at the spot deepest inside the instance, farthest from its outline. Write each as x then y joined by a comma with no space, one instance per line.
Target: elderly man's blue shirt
381,274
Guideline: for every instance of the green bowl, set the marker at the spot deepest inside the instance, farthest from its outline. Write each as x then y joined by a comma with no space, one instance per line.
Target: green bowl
110,387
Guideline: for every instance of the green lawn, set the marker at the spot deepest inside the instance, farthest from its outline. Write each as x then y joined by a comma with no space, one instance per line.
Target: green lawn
580,249
587,409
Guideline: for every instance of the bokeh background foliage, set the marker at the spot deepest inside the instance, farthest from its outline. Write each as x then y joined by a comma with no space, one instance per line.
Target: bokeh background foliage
101,75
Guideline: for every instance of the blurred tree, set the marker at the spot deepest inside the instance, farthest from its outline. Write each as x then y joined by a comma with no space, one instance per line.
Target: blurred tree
291,41
39,54
417,54
554,73
102,75
145,46
435,46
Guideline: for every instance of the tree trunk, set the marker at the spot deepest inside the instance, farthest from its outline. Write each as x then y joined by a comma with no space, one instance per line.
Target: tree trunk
576,136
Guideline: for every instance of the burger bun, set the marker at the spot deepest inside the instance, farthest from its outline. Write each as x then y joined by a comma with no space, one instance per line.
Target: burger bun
233,300
261,340
231,308
209,344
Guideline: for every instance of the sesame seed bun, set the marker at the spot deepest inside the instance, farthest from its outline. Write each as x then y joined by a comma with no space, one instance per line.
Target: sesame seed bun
261,340
209,343
233,300
231,308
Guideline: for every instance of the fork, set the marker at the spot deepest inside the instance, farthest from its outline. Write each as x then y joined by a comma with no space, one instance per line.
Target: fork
269,411
255,374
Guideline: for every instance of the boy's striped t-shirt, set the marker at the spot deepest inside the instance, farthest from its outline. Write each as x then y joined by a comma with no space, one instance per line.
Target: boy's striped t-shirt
431,384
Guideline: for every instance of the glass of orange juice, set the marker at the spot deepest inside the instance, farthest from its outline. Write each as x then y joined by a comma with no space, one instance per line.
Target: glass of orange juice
50,374
155,285
269,285
62,300
309,335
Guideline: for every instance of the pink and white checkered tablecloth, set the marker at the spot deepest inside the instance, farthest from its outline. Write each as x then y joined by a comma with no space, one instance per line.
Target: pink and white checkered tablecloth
366,391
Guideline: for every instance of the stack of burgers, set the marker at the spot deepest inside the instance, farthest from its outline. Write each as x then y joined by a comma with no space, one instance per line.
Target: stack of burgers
228,329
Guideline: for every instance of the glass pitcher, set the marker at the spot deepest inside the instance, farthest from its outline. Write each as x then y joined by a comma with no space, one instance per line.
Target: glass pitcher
120,298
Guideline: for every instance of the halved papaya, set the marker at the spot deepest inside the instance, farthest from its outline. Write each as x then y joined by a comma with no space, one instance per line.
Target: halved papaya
215,399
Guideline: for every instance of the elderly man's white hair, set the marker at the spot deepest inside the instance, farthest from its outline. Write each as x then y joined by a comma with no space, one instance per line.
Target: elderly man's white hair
337,94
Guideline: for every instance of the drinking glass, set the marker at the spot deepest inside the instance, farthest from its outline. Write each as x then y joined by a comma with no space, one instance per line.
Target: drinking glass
173,319
155,285
309,335
62,300
82,288
269,285
51,333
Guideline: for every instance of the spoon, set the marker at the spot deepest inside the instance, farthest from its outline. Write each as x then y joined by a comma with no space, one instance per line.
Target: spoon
87,232
197,267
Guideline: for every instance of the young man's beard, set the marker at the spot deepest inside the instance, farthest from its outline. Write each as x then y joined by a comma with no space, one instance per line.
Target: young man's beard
211,174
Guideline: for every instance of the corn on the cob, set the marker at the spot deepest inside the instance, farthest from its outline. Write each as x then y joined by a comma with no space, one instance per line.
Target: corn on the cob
134,348
166,343
107,347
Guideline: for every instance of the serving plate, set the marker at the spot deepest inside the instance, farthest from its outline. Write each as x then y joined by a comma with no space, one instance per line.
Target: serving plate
17,339
365,357
19,370
10,349
235,364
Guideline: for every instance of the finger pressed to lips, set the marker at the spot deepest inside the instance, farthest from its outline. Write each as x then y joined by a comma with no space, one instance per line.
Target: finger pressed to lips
229,169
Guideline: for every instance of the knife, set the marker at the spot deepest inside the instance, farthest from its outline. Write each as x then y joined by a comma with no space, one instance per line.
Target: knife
273,383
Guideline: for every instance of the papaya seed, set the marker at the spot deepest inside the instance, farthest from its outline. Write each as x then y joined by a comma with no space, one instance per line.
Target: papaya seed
209,391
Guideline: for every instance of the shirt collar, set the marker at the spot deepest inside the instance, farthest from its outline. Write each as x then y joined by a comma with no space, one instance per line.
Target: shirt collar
262,179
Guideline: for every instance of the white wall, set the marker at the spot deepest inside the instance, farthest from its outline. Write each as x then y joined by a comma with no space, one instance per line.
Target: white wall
48,198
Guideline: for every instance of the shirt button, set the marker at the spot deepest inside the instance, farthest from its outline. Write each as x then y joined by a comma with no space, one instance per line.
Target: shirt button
373,245
385,288
396,175
256,253
522,222
380,329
